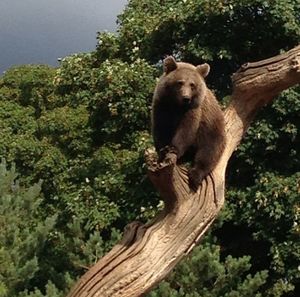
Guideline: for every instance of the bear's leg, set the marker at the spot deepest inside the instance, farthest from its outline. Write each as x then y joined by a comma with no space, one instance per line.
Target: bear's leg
199,171
179,144
185,135
206,158
163,130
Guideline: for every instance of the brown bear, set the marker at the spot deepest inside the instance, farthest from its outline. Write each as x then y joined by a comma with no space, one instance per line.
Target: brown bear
187,117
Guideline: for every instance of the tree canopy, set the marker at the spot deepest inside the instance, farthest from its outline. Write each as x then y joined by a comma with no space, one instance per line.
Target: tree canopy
73,139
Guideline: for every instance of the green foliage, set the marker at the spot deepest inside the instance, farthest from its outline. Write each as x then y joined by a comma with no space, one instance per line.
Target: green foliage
67,128
29,85
73,78
17,126
22,235
223,33
82,128
271,142
108,46
121,105
51,290
204,274
275,199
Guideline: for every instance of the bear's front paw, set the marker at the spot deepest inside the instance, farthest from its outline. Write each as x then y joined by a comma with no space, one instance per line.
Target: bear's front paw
169,159
167,154
195,178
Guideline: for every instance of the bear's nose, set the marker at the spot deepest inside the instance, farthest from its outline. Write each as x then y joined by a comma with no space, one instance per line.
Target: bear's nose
186,99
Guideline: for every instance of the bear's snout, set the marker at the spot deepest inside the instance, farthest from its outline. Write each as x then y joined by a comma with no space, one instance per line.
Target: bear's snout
186,99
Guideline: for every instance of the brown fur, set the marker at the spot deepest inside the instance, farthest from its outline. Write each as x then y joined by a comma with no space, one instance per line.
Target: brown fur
187,117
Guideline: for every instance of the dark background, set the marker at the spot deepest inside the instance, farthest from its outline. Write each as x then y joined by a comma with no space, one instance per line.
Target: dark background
41,31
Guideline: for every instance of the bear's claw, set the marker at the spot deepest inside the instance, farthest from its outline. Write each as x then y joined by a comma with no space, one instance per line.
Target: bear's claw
195,179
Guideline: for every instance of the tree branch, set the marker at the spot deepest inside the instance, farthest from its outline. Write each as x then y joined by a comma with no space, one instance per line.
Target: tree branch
147,253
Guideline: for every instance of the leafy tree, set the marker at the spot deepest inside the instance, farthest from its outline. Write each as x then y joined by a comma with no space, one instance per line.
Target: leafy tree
223,33
29,85
205,274
23,236
82,128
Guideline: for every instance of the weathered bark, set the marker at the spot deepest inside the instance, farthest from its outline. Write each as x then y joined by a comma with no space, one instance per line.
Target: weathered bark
147,253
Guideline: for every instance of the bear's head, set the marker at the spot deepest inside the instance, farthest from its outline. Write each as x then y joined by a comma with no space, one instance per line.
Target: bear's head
184,82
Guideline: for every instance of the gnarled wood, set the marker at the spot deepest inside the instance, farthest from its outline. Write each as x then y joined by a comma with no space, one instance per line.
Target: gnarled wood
148,252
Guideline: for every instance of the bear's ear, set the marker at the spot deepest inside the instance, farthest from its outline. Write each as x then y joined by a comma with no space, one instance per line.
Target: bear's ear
203,69
169,64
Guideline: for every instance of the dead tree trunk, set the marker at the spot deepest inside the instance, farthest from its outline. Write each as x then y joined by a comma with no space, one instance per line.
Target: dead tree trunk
147,253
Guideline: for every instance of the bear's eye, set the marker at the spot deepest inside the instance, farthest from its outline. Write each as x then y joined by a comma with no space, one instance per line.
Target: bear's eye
180,82
192,85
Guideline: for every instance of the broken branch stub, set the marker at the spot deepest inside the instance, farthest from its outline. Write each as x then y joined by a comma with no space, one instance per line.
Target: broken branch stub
147,253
